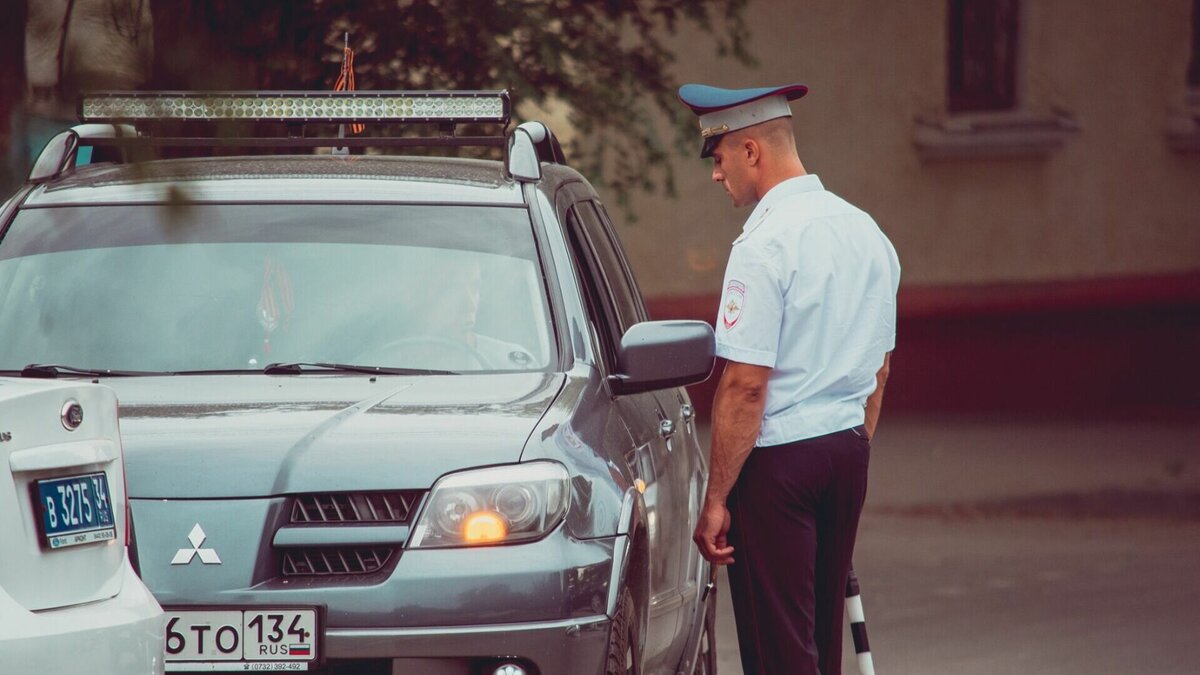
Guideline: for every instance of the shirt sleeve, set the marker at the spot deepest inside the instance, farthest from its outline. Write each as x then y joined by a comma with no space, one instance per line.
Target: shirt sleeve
751,312
894,265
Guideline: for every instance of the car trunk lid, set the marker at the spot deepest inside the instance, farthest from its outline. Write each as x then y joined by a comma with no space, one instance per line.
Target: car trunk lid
64,541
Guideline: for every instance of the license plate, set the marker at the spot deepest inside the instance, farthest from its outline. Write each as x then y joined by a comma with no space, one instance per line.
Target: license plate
241,639
76,510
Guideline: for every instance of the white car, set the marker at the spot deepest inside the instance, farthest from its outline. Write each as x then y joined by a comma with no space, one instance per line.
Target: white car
70,601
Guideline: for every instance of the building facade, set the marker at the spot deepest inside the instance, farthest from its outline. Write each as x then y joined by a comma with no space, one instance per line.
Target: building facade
1035,163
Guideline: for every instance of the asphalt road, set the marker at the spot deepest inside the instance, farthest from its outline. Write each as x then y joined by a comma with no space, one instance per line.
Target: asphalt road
1019,546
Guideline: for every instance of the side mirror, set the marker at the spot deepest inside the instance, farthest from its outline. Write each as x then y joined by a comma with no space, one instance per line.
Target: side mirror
662,354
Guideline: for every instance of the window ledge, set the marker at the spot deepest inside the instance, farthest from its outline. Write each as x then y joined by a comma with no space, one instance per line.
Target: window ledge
993,135
1183,127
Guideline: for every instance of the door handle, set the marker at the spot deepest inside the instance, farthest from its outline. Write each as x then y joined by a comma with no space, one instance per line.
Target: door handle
666,428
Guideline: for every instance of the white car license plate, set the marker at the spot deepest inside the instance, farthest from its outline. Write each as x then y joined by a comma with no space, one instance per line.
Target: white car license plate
257,639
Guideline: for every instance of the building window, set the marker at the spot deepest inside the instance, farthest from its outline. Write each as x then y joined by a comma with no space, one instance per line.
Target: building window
986,116
1194,66
1183,128
982,55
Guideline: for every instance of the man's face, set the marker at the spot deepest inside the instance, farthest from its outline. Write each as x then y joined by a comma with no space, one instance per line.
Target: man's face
453,316
732,170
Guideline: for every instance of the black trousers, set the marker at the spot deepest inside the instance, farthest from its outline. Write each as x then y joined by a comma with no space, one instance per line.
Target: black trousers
795,511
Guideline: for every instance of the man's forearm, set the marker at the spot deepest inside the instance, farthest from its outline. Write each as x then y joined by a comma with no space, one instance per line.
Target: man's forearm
737,417
875,400
874,406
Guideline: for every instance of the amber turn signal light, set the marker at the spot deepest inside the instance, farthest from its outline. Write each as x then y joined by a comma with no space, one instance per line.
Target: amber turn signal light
483,527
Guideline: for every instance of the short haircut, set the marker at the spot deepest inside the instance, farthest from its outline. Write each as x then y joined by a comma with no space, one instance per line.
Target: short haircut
775,134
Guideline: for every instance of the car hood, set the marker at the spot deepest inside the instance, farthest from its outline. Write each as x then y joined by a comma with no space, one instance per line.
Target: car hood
206,437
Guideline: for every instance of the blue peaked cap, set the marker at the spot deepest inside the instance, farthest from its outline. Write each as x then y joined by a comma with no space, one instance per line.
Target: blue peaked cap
724,110
702,98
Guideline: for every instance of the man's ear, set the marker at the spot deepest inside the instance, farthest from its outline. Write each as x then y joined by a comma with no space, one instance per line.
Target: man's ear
753,151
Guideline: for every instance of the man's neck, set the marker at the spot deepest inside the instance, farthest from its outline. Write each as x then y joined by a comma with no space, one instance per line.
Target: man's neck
770,179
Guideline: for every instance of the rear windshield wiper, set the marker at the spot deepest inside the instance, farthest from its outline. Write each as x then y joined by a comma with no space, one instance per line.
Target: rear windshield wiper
53,370
301,367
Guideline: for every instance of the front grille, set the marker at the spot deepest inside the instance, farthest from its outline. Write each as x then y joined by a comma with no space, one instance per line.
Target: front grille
355,507
326,562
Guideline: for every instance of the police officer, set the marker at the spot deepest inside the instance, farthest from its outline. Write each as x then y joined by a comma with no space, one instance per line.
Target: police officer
807,325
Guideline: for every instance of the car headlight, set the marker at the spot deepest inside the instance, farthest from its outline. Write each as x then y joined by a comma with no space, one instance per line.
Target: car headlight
498,505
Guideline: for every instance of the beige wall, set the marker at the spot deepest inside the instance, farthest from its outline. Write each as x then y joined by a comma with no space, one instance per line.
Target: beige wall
1114,201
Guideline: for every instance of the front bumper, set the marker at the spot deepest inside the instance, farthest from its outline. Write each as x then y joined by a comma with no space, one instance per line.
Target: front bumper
544,601
572,646
449,609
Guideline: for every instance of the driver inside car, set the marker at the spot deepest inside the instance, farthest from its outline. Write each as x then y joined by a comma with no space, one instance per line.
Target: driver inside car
444,331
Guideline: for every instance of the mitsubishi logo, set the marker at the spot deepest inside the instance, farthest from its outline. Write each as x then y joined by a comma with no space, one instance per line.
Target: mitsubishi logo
184,556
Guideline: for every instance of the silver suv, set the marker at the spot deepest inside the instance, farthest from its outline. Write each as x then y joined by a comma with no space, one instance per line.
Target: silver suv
381,414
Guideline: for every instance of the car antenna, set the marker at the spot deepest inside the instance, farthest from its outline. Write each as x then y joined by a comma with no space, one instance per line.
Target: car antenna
345,82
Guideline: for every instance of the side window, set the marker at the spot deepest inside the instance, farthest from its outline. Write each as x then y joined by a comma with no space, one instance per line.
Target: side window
982,55
597,296
639,300
617,278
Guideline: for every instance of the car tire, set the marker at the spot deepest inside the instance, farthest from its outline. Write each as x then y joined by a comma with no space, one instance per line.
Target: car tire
622,639
706,657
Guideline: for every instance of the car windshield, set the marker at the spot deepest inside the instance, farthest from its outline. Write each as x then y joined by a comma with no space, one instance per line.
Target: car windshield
236,287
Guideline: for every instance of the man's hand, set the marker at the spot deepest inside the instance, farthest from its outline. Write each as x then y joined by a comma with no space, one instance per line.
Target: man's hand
737,415
711,531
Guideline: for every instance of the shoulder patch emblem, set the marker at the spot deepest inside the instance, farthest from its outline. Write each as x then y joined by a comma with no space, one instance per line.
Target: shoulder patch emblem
731,306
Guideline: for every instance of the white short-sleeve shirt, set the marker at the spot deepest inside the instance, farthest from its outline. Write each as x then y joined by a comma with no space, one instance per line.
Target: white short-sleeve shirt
810,291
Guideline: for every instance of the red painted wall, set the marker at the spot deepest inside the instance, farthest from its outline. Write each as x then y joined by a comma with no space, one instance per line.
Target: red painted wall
1110,347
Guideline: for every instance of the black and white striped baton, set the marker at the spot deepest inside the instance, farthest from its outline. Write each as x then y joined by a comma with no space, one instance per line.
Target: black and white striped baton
858,625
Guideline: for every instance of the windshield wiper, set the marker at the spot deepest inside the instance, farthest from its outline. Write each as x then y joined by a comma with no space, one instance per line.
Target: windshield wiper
301,367
53,370
218,371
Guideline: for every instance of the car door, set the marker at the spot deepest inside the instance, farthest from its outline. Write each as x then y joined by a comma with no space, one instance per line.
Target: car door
689,479
680,479
651,459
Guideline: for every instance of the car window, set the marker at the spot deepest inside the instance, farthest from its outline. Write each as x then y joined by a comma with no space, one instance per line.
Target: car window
631,279
239,286
596,295
612,265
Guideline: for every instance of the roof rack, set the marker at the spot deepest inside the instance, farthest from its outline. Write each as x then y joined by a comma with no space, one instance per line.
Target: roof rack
117,121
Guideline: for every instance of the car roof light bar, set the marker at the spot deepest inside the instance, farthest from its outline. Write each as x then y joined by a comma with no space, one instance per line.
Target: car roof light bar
446,107
303,142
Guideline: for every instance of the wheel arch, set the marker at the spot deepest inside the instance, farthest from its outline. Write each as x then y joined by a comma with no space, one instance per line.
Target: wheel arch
631,565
